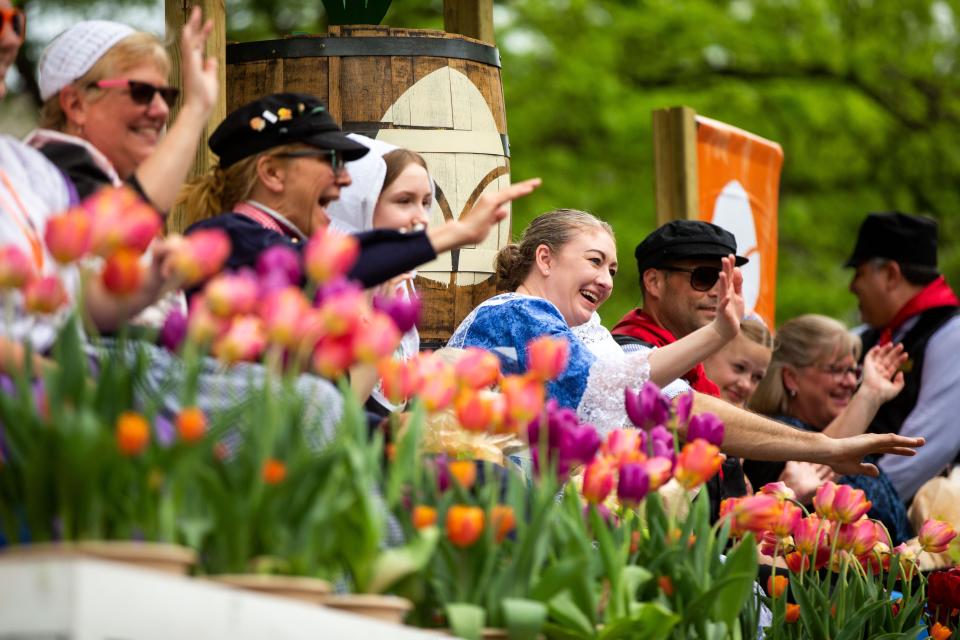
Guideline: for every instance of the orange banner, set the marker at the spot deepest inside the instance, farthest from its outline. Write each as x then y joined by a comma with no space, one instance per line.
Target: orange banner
739,180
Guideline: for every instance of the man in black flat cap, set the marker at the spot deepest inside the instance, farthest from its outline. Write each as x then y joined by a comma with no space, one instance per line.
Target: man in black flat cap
903,298
679,266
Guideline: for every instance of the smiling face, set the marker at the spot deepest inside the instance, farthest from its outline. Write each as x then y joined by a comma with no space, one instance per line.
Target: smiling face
127,133
579,277
823,389
405,203
674,303
738,368
9,46
309,186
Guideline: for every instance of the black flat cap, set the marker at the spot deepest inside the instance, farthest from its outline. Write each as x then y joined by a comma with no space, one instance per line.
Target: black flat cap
280,118
680,239
896,236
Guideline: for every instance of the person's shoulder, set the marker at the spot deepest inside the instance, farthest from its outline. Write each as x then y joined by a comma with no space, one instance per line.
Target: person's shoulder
28,169
228,221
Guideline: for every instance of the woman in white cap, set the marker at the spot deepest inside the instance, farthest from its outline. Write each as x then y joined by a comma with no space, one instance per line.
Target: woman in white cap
390,189
106,104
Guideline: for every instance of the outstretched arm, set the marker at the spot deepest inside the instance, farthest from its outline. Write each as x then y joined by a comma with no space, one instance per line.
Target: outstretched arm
752,436
672,361
163,173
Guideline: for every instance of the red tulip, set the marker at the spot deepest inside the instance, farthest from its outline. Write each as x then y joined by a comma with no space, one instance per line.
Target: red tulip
547,357
68,235
123,274
15,268
330,255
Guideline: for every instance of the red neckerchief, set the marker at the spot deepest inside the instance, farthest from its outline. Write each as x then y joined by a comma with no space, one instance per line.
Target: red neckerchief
936,294
640,325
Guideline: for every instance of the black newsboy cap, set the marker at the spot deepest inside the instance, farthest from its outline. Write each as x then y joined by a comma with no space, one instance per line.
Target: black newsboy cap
280,118
679,239
896,236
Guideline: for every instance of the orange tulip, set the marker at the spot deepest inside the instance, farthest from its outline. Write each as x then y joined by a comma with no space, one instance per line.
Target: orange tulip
273,471
122,273
940,632
133,433
698,462
786,519
191,424
477,368
465,471
666,585
752,513
438,382
547,357
797,562
375,339
793,613
399,379
479,410
424,516
464,524
329,255
598,479
776,585
525,398
503,521
68,235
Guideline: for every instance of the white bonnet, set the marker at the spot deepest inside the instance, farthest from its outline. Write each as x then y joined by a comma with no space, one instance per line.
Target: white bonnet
75,51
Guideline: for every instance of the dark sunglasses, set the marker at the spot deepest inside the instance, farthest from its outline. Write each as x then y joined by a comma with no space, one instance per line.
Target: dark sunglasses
701,278
141,92
333,157
17,20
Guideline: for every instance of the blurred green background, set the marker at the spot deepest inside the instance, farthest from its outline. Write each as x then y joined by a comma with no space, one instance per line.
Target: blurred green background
863,96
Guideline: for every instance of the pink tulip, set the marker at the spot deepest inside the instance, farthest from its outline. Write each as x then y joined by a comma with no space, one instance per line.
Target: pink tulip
44,295
624,445
858,537
439,383
547,357
840,503
660,471
202,326
121,220
201,255
779,490
15,268
479,409
138,228
341,313
525,398
68,235
282,313
333,355
245,340
399,379
404,312
935,536
330,255
232,294
375,339
122,273
477,368
753,513
698,462
278,268
598,479
810,534
786,519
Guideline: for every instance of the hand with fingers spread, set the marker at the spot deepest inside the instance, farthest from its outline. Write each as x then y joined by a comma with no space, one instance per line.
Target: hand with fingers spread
730,305
882,373
475,226
847,454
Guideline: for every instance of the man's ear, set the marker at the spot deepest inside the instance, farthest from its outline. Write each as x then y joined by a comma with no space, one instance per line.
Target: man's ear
652,283
892,275
544,259
74,107
271,173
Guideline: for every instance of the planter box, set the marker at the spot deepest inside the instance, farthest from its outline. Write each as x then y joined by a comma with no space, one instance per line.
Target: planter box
84,599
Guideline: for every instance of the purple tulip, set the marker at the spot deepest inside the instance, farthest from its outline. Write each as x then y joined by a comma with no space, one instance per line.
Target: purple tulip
334,288
661,444
174,330
568,442
403,311
684,408
443,474
580,443
603,511
648,408
706,426
164,430
279,267
634,483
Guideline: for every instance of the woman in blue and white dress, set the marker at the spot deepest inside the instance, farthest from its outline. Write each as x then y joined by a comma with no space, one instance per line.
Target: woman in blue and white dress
561,271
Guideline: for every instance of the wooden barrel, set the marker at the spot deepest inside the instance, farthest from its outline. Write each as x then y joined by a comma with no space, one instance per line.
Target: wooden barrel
433,92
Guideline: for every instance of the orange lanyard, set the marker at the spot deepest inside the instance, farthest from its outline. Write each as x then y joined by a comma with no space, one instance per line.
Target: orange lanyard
22,219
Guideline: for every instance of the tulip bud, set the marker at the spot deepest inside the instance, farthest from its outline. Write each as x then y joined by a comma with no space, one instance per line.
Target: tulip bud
375,339
399,379
477,368
634,483
191,424
67,235
648,408
424,516
44,295
329,255
935,536
625,445
333,356
598,479
464,524
706,426
840,503
174,330
464,471
698,462
201,255
793,613
279,267
479,410
438,383
16,270
786,520
202,325
778,490
525,398
122,273
503,521
231,294
402,311
776,585
547,357
660,471
751,513
244,341
282,313
273,472
133,433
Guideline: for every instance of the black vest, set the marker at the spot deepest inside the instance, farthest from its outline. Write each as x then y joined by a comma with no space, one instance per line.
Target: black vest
892,414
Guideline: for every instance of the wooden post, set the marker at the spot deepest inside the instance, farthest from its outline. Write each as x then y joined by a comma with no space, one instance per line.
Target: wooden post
473,18
675,164
176,13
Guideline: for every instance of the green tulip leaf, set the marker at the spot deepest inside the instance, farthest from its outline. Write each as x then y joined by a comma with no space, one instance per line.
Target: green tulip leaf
567,614
648,620
524,618
466,620
393,565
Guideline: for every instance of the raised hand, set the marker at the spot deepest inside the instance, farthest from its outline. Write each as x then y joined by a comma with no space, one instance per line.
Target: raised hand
881,371
730,305
491,208
200,79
